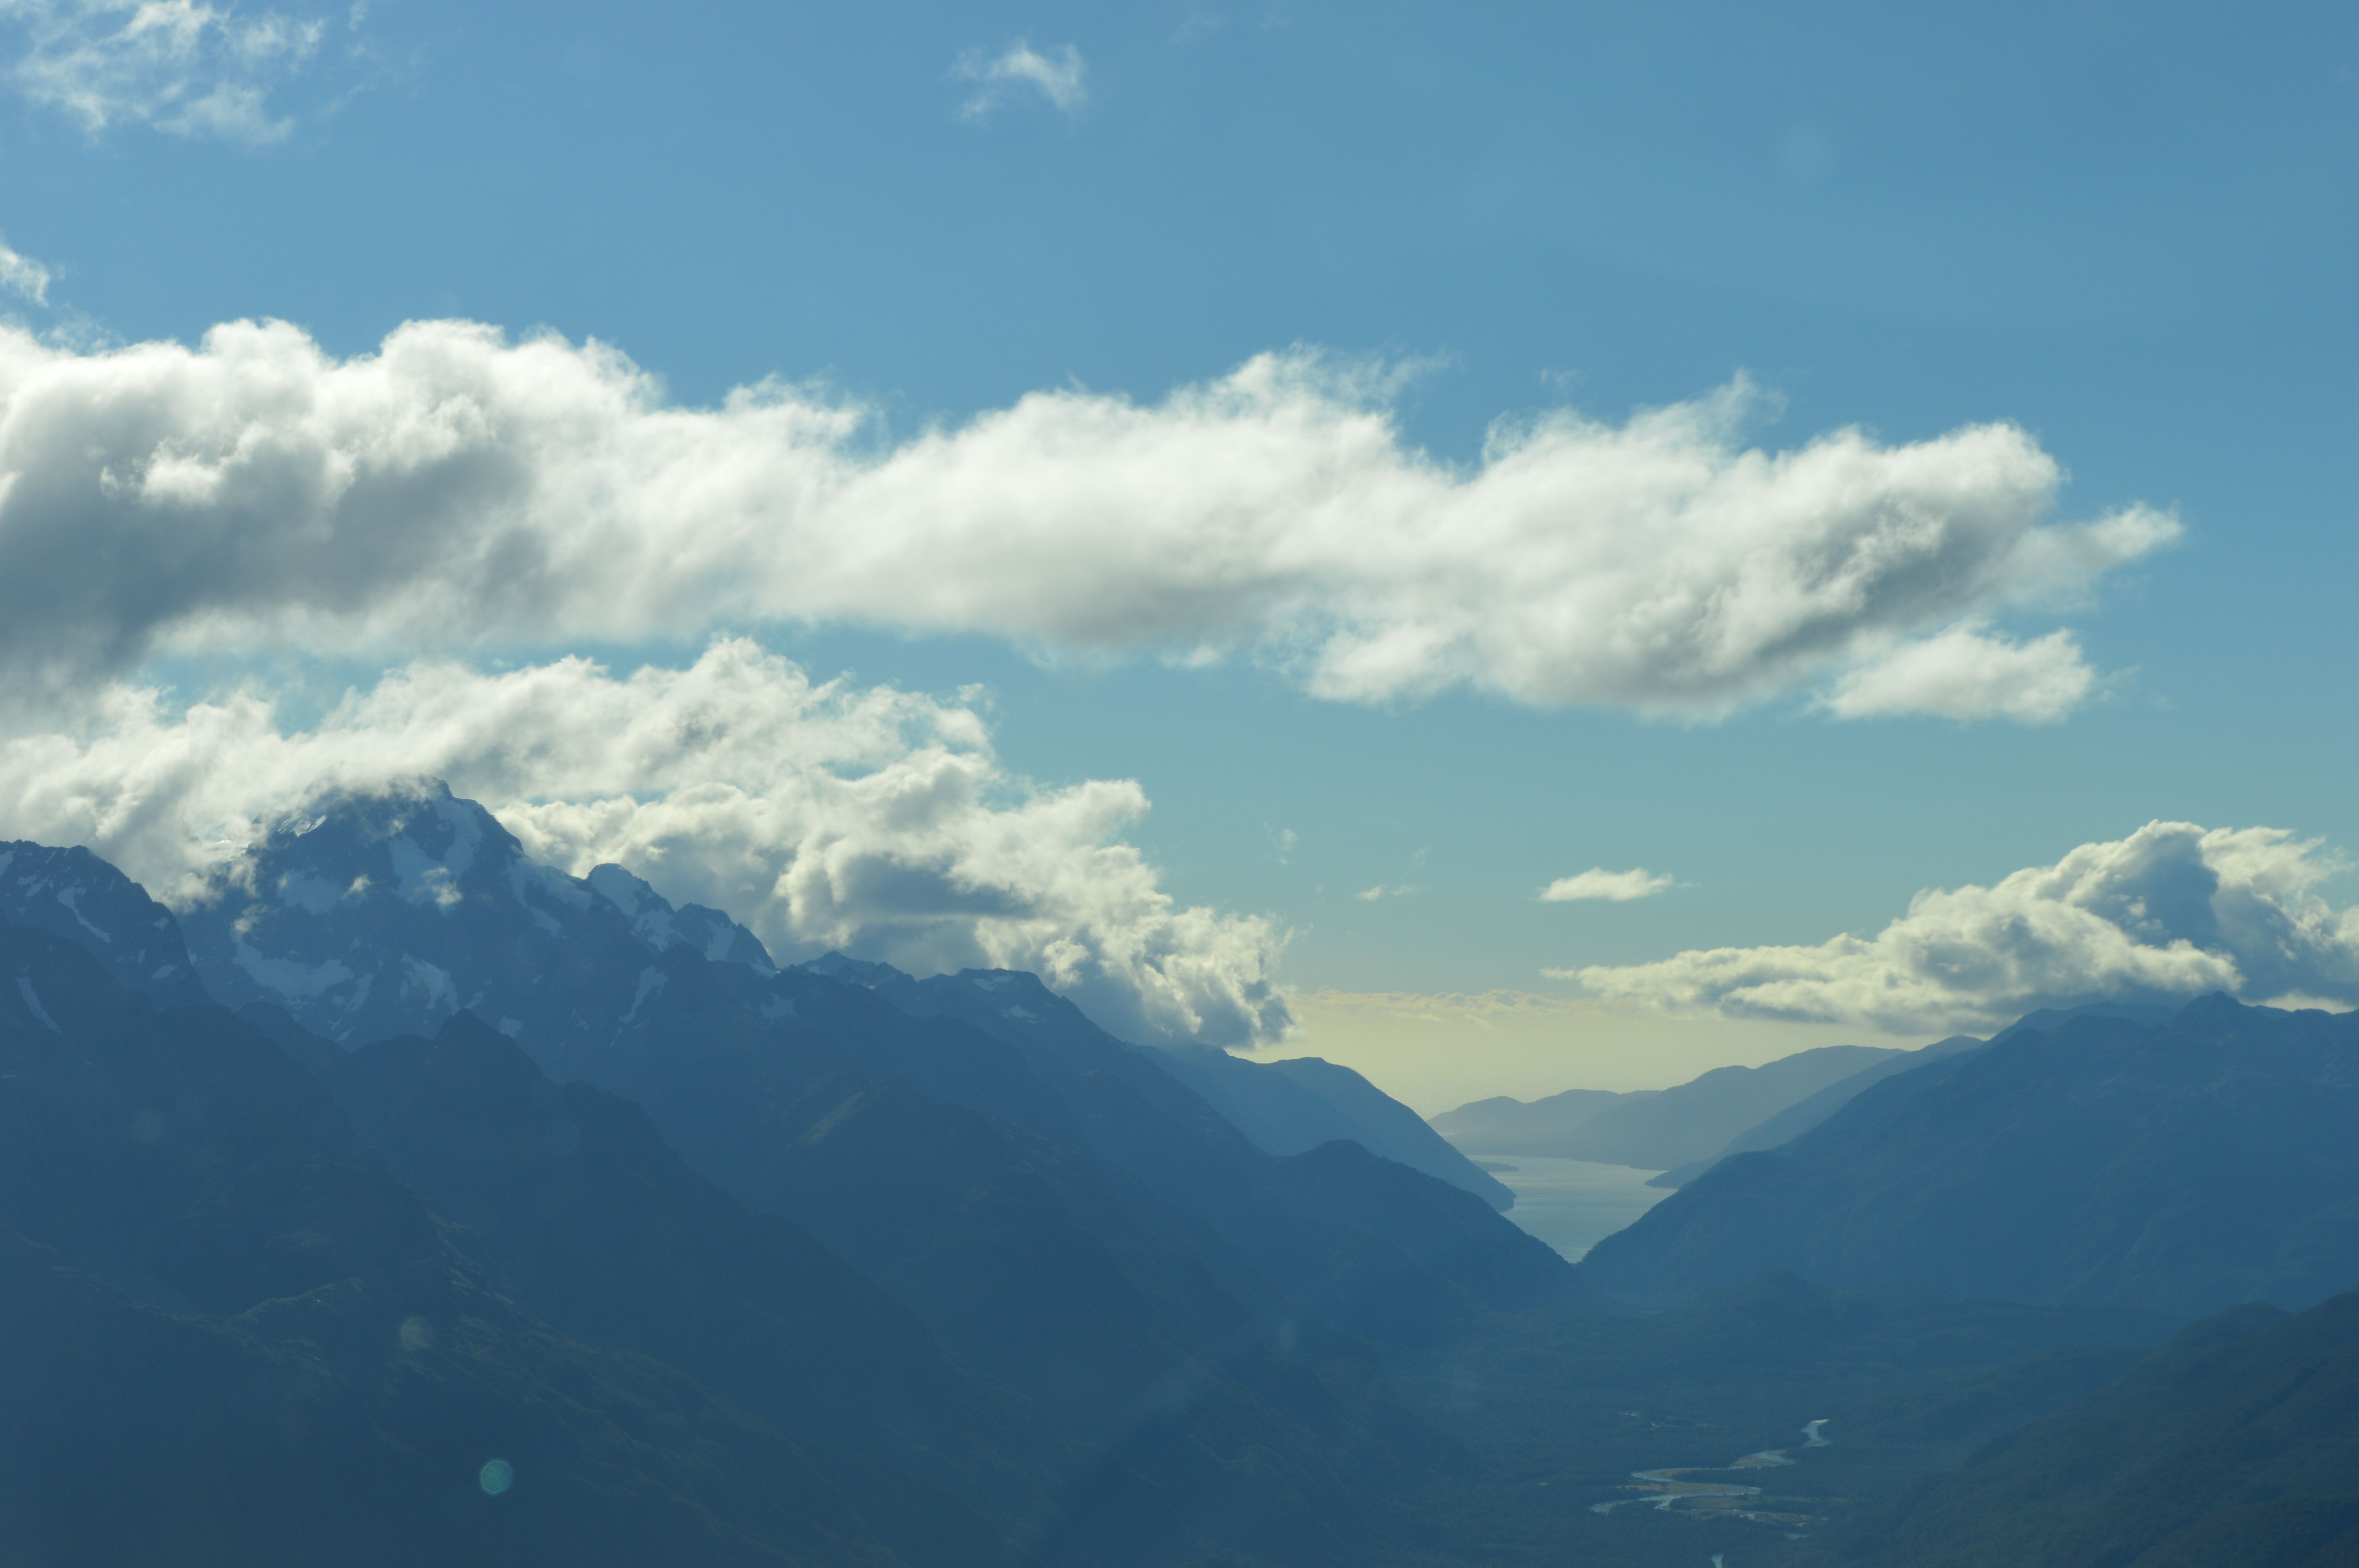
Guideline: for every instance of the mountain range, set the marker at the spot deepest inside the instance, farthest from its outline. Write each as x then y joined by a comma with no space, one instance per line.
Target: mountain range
1655,1130
1129,1297
503,1215
2185,1166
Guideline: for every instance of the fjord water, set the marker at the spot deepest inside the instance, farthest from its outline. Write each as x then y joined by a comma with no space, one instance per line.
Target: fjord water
1572,1205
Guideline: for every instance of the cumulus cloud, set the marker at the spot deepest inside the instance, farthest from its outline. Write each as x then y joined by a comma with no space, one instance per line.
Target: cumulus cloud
822,814
456,491
1963,673
1058,77
1597,882
192,69
2169,913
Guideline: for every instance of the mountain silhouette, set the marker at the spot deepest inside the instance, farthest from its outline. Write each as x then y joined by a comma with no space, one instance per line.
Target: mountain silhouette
2184,1166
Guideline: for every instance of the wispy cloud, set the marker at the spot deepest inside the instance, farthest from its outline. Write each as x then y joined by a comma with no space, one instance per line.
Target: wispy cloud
1597,882
2168,912
182,66
1370,895
22,276
1060,77
456,490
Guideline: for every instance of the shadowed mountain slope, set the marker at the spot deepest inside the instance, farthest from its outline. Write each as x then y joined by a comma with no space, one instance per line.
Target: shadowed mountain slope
226,1337
1804,1114
1295,1105
2183,1167
2233,1446
1051,1235
1132,1111
597,1227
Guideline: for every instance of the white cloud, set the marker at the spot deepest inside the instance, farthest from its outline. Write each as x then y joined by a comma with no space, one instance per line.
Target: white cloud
456,491
1597,882
21,274
1964,673
185,67
1371,895
2169,913
823,816
1058,77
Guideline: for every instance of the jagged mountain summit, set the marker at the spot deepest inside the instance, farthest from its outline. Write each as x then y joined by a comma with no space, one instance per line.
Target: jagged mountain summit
383,914
74,894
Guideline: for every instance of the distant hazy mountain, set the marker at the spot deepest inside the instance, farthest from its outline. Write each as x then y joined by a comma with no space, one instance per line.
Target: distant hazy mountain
228,1337
2235,1446
1804,1114
1294,1105
1652,1129
1791,1123
74,894
2183,1167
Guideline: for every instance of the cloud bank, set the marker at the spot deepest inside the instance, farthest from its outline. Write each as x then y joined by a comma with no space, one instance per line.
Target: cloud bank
1597,882
822,814
187,68
2169,913
456,491
1057,78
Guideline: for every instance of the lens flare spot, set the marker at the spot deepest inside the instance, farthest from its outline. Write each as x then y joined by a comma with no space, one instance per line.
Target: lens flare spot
417,1334
496,1477
148,1126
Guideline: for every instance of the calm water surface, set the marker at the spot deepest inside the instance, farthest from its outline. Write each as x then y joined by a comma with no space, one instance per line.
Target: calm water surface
1572,1205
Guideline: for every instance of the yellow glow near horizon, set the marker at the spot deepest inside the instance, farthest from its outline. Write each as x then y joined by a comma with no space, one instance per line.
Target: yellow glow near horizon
1437,1052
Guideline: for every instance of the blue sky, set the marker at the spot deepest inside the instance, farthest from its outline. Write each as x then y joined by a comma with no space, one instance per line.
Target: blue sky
2128,230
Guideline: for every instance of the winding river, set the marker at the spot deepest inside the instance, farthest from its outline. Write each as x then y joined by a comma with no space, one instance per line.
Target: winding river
1665,1491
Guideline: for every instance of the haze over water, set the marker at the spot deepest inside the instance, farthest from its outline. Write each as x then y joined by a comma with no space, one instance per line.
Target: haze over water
1572,1205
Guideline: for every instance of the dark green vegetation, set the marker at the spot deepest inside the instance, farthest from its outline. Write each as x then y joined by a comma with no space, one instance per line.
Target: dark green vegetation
831,1265
2183,1166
